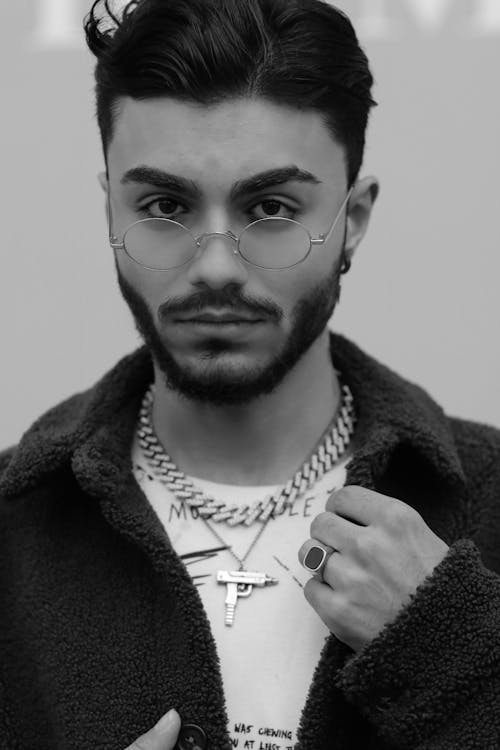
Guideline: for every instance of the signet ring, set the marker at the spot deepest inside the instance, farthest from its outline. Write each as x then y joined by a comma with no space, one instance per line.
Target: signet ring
316,558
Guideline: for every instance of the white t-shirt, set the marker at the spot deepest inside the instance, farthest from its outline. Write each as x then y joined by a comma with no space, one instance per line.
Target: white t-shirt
269,654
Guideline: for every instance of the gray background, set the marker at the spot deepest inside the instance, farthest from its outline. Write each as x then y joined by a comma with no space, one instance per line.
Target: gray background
422,294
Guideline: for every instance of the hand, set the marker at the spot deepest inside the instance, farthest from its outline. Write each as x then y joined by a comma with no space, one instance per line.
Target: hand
162,736
383,551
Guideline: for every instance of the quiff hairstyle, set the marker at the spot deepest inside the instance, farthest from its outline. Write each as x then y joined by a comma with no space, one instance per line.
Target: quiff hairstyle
300,53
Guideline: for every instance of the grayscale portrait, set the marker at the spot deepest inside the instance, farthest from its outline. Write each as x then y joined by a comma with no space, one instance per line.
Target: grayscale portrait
250,449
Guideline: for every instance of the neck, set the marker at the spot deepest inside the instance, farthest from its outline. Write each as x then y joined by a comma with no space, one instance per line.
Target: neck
260,443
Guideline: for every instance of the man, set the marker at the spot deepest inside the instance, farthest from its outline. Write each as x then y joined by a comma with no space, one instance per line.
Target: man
248,533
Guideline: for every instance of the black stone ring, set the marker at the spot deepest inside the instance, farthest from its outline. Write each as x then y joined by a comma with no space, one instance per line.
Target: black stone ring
316,559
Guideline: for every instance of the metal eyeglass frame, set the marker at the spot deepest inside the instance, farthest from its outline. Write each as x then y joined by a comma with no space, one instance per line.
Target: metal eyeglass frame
113,240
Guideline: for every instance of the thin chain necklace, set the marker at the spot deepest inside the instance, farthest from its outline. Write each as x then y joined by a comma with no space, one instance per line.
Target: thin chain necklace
331,448
239,560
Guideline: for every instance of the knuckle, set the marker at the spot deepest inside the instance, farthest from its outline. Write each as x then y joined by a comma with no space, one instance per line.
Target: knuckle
343,493
350,491
366,545
319,523
398,514
389,514
357,542
360,542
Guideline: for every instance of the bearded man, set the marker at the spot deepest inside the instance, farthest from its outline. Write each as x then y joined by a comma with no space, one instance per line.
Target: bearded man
248,533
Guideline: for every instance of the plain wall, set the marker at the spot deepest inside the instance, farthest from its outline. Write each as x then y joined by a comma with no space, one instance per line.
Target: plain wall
422,294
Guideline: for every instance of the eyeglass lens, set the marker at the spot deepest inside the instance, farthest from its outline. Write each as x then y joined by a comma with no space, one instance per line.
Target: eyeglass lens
269,243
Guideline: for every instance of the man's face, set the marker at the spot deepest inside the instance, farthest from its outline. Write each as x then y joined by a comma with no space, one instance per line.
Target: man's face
210,150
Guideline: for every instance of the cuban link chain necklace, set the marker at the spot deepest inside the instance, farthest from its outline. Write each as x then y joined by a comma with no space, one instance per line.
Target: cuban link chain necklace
329,451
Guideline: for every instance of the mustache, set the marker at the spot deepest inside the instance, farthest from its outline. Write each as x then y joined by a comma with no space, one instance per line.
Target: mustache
226,299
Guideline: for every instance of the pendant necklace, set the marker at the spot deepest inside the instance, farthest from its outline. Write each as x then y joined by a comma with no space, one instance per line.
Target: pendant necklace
240,582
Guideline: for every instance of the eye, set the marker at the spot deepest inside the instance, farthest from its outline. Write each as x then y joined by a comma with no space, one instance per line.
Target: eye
162,208
272,207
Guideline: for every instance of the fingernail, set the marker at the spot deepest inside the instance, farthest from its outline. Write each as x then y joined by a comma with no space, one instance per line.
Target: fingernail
166,720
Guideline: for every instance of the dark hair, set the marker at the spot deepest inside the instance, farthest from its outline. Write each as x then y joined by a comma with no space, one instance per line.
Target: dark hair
300,53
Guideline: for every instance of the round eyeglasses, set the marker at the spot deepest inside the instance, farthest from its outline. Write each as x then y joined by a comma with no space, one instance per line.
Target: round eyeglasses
273,243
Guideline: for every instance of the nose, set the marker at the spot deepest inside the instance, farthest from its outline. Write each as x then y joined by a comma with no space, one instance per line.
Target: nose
217,262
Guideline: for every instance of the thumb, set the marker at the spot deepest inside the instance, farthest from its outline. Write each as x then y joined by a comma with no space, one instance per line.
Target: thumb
162,736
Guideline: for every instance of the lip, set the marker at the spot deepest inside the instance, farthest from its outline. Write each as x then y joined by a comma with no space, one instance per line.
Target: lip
237,330
221,323
223,319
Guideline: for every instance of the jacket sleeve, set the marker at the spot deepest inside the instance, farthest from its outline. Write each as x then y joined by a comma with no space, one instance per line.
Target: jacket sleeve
8,740
431,679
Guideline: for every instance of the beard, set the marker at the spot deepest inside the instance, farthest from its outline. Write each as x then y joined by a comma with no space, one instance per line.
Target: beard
219,385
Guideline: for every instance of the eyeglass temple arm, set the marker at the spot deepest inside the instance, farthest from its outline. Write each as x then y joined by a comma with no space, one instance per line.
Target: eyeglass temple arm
325,237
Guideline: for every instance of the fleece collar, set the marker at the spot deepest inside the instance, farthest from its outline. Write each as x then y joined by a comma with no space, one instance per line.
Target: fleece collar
94,429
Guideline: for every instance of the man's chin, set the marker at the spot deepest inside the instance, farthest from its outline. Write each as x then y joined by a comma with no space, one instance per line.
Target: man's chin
219,380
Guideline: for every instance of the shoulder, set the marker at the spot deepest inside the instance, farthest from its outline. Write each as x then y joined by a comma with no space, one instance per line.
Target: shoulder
476,436
5,457
478,446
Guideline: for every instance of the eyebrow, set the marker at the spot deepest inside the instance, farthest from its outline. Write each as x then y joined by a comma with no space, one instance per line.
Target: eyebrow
144,175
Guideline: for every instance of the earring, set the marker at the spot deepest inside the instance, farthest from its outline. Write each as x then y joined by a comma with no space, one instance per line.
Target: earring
345,265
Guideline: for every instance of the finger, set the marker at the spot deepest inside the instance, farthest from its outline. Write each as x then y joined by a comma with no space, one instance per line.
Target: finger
162,736
312,556
335,572
359,505
333,530
324,600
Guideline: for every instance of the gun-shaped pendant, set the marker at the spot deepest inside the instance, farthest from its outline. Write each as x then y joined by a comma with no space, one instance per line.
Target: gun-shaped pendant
240,583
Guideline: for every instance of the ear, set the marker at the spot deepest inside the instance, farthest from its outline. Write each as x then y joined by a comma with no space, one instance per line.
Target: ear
103,181
361,202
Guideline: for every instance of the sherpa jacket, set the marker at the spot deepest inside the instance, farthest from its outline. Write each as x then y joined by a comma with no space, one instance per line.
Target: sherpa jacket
102,630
